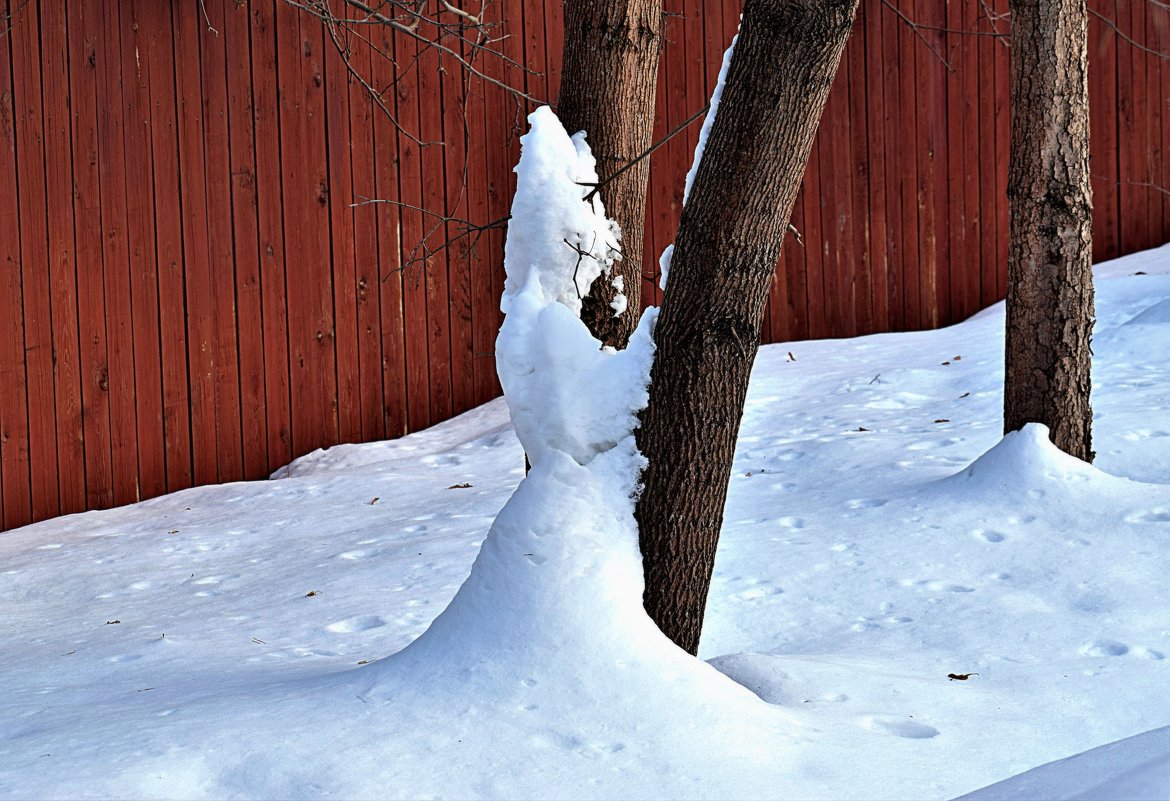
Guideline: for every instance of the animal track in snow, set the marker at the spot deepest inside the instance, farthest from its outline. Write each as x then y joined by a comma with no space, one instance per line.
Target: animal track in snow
866,503
987,536
1157,515
1104,648
898,727
355,624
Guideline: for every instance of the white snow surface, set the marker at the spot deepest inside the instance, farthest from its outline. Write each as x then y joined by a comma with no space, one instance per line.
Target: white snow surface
548,200
288,639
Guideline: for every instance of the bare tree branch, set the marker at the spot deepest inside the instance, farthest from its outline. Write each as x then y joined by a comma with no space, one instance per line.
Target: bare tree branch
1129,39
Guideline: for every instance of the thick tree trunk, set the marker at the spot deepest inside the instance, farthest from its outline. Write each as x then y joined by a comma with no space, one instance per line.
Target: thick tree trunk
708,331
1050,279
610,71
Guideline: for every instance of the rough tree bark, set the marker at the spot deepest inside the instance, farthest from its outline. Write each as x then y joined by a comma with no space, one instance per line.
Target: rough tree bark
1050,279
610,69
708,331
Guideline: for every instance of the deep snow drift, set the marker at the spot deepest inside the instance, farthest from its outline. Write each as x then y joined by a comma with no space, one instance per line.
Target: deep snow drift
266,639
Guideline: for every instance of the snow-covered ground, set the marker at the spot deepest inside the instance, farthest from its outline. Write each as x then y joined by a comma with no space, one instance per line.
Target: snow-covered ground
224,641
905,603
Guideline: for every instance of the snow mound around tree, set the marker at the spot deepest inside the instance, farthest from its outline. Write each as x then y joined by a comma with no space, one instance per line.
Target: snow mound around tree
552,608
1026,461
1157,314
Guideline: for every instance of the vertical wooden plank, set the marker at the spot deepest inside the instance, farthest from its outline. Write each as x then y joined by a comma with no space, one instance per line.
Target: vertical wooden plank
112,191
481,125
554,44
659,231
305,192
1103,108
814,240
156,23
266,77
365,232
907,171
245,239
339,137
877,112
416,326
61,266
432,175
458,184
504,120
988,189
1156,21
534,52
24,41
836,207
83,33
963,153
14,435
221,277
388,274
198,283
1133,140
679,152
140,232
894,115
932,170
1002,151
1162,165
860,265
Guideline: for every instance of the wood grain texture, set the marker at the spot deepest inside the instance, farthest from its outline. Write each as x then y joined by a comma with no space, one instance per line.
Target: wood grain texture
191,288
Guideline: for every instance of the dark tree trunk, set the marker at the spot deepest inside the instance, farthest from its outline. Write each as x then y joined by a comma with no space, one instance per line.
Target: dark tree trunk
610,69
709,328
1050,279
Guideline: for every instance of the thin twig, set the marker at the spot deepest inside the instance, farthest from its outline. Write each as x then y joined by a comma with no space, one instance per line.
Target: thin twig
917,29
645,154
1113,26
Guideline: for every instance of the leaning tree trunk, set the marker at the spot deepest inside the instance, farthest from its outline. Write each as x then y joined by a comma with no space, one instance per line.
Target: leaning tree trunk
708,331
1050,278
610,69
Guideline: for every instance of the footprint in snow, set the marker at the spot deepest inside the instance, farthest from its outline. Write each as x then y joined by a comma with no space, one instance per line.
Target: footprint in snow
1158,515
1104,648
866,503
898,727
355,624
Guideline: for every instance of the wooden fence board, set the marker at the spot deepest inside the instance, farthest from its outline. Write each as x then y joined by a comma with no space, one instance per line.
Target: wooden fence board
156,24
219,277
15,486
456,171
413,227
245,240
365,235
338,147
61,269
140,232
270,221
388,273
82,34
35,300
198,289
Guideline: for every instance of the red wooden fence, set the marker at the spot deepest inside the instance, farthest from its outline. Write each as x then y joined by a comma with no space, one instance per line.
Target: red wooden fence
187,295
